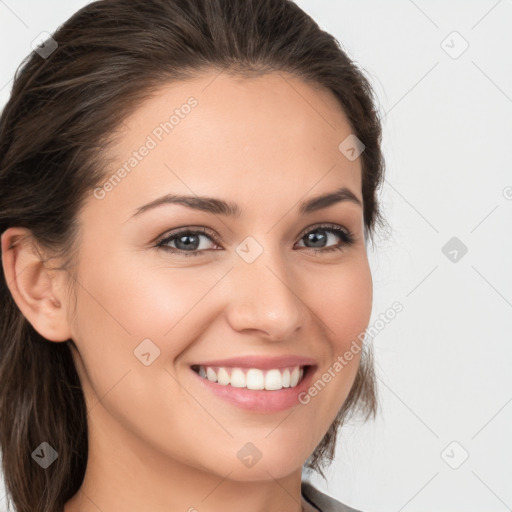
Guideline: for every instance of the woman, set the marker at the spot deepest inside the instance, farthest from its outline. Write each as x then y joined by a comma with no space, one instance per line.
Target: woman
187,189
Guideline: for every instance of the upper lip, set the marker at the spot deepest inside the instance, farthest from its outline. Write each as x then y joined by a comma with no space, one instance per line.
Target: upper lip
265,363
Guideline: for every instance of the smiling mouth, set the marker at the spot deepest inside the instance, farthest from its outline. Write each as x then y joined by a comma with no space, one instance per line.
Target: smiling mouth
254,378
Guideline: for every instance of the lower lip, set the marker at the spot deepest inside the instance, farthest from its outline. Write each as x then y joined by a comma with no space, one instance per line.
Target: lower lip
263,401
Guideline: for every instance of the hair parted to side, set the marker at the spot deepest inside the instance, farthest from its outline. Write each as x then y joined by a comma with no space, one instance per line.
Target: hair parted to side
54,130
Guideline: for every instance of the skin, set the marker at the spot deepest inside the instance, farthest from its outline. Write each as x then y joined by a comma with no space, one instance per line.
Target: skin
157,440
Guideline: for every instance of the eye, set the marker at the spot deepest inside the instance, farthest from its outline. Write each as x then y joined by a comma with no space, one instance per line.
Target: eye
318,238
187,242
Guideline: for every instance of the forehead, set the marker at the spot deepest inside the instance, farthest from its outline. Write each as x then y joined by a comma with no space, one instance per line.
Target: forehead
218,134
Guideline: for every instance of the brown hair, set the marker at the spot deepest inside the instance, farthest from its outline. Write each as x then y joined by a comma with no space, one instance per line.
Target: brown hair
60,117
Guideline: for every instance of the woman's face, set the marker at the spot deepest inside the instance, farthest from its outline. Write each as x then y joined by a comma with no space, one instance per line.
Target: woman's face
247,285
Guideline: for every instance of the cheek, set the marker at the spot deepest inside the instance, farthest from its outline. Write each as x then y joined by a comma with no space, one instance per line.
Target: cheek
172,306
343,302
129,303
139,297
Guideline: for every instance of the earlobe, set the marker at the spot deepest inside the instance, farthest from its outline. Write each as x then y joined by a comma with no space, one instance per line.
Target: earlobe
35,289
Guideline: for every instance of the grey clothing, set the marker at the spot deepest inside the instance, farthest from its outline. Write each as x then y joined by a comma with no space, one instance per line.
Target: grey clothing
321,501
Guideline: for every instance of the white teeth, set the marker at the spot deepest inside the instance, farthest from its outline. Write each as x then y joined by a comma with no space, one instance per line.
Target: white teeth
211,375
223,377
253,378
286,378
238,378
273,380
294,377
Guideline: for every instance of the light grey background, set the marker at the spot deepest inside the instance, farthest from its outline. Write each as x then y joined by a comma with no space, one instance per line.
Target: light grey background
443,362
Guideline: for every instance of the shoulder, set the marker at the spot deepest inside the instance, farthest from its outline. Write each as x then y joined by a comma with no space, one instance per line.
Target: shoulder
322,501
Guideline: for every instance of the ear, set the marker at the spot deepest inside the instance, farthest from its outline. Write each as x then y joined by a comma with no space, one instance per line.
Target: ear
38,292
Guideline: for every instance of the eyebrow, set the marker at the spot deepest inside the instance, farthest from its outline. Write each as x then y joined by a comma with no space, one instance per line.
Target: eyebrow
221,207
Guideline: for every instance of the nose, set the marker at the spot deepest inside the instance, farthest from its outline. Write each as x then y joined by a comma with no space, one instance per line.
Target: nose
262,298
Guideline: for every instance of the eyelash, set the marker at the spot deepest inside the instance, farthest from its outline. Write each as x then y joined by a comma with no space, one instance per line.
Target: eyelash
346,236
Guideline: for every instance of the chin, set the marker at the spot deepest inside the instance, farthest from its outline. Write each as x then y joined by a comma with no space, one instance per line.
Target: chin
276,465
